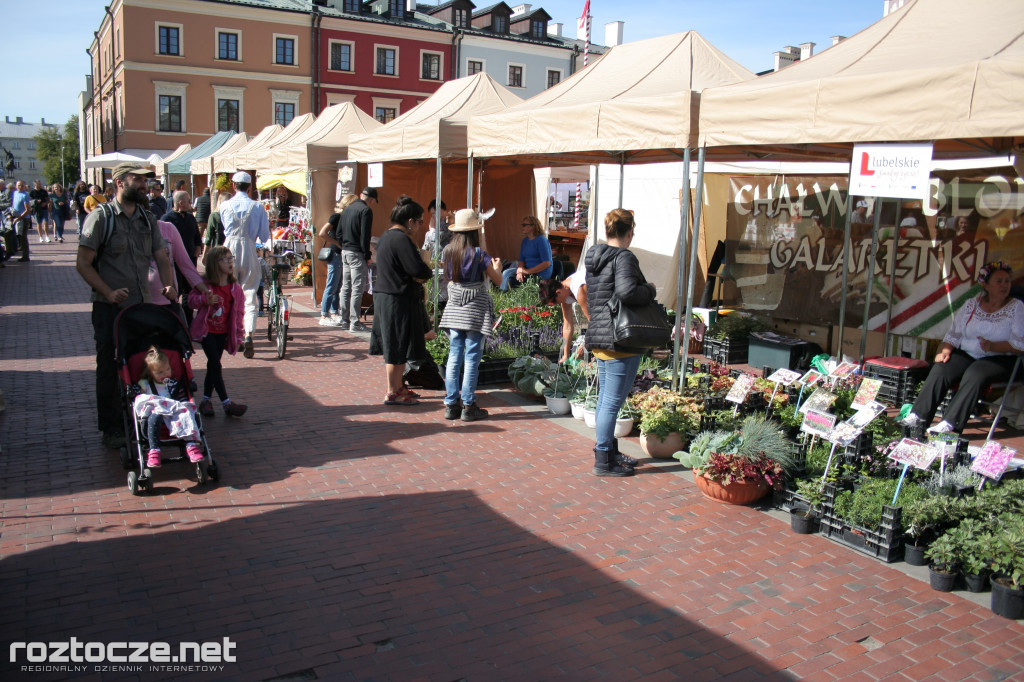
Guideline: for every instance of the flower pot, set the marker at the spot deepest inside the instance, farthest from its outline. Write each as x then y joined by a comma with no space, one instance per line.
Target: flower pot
623,427
558,405
914,554
802,521
590,417
577,410
941,580
1006,601
654,446
976,582
734,493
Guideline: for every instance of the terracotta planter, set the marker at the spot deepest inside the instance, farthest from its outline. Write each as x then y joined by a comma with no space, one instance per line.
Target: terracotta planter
734,493
654,446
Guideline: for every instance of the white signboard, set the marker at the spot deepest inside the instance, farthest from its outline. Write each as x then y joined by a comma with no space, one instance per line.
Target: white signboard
896,171
375,174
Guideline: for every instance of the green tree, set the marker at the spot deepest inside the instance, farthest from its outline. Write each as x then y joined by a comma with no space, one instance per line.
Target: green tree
57,150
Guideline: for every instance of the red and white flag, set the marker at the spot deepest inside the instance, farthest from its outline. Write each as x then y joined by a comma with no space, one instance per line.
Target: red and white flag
586,11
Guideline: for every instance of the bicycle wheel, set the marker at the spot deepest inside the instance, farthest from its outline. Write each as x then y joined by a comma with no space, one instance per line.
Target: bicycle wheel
282,327
271,312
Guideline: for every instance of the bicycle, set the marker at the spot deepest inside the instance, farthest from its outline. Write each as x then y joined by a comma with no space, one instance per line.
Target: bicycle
278,308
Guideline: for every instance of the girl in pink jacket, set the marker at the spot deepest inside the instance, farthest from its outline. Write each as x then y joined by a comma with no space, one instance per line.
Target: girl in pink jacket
218,325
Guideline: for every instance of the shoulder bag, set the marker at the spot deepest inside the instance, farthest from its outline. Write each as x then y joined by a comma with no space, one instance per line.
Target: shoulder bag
639,329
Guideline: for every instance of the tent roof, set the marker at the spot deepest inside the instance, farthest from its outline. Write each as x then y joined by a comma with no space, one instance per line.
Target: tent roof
639,99
204,164
177,153
112,159
255,157
321,144
225,163
436,126
943,70
181,165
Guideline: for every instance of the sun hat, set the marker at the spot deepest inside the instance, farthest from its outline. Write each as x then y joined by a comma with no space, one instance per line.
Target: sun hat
466,220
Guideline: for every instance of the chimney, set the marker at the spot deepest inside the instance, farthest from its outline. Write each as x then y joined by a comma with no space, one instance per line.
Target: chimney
521,9
8,119
42,121
785,57
613,33
806,51
555,30
19,120
410,6
837,39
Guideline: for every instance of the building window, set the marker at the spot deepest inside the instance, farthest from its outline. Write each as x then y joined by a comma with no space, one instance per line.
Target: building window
284,112
170,40
387,61
515,76
538,28
431,66
170,114
554,77
474,67
227,46
31,144
227,115
460,18
396,8
31,164
499,24
384,114
353,6
341,56
284,51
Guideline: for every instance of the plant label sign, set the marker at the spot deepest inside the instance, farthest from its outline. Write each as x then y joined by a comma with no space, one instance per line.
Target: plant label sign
819,401
913,453
810,377
784,376
866,393
945,443
738,393
844,434
844,369
818,423
866,414
992,461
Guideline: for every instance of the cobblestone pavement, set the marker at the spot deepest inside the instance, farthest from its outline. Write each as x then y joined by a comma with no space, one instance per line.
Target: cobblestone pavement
348,540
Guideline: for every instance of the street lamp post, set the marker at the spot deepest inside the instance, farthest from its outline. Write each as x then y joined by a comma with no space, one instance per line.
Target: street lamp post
63,182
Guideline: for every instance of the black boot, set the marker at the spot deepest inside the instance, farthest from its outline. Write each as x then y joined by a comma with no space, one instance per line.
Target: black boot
604,465
453,411
624,460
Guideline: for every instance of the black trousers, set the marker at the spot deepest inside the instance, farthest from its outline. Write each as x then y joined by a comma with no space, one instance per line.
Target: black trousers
973,375
108,393
213,347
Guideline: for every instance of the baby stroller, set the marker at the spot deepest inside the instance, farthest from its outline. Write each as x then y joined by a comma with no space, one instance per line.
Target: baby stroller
136,329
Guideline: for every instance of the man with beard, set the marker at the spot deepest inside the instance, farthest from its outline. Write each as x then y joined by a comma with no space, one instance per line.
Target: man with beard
117,242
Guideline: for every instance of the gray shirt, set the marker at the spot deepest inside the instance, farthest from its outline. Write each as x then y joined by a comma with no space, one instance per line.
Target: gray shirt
125,257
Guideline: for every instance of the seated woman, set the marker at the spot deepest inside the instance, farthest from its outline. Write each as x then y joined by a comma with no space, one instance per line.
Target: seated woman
977,350
573,289
534,256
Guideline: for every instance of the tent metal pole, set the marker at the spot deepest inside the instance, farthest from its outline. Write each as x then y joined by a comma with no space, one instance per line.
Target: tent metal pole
870,280
437,241
622,177
847,247
892,275
469,181
698,204
684,237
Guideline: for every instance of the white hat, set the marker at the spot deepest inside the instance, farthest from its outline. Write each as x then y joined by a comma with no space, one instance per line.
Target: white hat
909,221
241,176
466,220
862,204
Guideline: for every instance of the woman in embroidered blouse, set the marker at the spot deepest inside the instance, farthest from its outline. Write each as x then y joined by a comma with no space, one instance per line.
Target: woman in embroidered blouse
979,348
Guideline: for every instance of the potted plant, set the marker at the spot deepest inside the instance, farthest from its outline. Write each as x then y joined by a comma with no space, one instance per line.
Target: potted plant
803,518
665,419
923,519
741,466
558,389
624,420
1007,558
577,401
590,410
943,562
973,541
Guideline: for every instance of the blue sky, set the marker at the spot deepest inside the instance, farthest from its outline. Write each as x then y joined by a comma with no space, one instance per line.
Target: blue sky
46,61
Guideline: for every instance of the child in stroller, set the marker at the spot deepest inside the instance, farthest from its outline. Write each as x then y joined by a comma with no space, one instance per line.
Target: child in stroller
163,400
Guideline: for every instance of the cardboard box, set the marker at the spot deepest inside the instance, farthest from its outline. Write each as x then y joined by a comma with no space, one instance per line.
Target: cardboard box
820,334
851,343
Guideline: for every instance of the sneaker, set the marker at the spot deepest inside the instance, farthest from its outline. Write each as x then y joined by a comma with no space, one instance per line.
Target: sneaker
359,328
942,427
60,239
400,399
472,412
195,454
153,459
453,411
206,408
247,350
260,313
336,322
40,240
326,322
235,409
47,240
911,420
113,440
626,460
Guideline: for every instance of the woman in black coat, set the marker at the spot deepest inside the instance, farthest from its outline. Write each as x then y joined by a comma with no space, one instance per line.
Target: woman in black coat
613,270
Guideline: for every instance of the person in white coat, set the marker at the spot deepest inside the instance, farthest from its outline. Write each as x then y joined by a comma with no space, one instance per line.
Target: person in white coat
245,223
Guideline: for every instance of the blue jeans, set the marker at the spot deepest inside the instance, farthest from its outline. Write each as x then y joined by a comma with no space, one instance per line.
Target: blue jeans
329,302
466,349
615,379
353,284
508,279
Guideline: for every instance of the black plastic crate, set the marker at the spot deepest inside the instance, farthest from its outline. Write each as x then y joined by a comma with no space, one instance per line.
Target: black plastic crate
884,543
899,386
727,351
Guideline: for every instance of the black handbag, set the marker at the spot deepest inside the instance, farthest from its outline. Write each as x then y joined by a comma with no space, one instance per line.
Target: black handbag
326,253
639,329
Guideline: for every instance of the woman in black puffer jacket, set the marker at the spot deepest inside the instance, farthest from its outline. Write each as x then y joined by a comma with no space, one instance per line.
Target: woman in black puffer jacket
612,269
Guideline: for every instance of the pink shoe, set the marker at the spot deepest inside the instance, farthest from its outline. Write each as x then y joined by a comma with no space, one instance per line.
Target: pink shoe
195,454
153,459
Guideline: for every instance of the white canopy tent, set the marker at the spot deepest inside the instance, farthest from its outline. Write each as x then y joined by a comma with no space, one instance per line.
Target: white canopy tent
112,159
204,165
227,163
